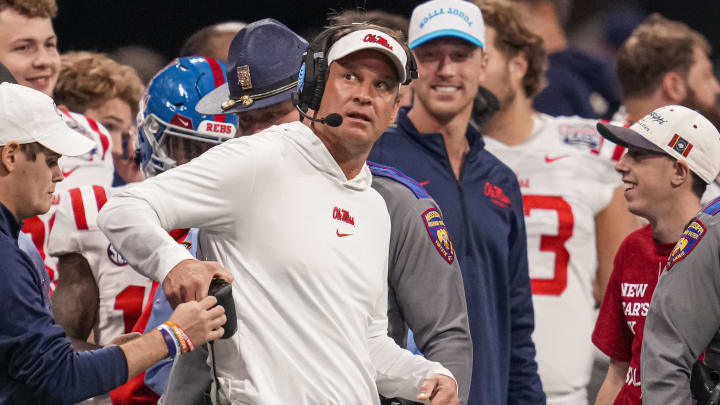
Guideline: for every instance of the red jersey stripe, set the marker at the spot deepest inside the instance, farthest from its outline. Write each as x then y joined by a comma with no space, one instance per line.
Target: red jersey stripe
100,196
78,209
103,138
51,223
219,79
179,234
617,154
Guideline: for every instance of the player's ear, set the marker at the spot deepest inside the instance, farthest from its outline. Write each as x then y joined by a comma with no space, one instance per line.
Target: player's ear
674,86
482,64
8,156
518,66
681,173
395,107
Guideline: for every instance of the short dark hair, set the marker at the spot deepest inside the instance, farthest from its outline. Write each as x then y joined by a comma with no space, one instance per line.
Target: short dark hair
698,185
656,47
563,8
512,38
395,22
31,8
197,43
30,150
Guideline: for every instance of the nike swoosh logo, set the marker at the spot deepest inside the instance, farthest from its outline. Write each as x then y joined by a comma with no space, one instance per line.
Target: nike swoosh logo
69,172
424,183
182,121
340,235
549,159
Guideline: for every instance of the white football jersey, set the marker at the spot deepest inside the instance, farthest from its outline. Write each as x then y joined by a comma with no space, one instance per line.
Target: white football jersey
123,292
94,167
566,176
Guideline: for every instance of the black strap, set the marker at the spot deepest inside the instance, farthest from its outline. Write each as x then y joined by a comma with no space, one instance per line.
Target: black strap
217,382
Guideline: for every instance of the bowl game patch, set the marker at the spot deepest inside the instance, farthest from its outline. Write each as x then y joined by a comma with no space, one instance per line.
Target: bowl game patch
438,234
687,242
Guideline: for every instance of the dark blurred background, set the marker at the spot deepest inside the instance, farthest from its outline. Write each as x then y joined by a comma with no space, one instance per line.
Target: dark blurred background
595,25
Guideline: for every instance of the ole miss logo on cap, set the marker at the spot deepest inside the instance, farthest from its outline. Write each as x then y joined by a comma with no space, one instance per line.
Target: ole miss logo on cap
378,40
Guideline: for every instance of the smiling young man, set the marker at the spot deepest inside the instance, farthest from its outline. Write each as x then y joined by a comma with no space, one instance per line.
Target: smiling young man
92,84
672,156
574,208
290,213
37,363
666,62
478,195
28,47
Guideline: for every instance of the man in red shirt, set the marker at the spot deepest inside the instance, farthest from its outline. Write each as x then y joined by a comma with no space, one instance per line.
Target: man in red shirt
670,160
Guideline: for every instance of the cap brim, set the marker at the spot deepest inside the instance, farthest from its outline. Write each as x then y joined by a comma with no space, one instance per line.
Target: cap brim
445,33
213,101
62,139
625,136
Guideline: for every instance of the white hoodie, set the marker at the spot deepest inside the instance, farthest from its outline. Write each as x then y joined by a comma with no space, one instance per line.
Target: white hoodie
308,250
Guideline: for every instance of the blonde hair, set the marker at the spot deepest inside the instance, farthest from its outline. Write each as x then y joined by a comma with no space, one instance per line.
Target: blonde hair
89,79
31,8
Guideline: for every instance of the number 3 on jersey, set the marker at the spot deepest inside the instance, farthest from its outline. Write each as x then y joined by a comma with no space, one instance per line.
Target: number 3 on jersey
553,243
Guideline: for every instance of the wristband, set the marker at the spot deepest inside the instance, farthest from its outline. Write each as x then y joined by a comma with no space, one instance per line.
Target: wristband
170,341
186,345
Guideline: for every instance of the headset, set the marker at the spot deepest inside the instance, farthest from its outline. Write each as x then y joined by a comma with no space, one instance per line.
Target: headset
314,72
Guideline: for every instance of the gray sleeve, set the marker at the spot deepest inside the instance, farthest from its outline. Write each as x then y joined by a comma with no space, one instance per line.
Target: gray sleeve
189,379
426,290
684,316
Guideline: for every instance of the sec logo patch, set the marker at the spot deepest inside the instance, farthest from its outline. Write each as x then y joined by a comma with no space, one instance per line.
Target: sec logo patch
687,242
115,256
439,234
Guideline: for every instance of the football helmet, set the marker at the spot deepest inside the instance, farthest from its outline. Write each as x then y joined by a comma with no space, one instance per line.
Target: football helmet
170,131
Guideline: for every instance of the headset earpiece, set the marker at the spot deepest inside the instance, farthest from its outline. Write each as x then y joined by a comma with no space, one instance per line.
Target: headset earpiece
315,62
318,87
411,72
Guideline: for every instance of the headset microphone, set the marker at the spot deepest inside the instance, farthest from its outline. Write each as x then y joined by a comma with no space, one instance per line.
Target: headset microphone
331,120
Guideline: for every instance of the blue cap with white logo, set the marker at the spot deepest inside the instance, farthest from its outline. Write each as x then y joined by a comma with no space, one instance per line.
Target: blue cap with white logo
446,18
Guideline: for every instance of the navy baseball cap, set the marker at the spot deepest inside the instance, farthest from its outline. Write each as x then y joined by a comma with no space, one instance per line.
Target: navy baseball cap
5,75
262,69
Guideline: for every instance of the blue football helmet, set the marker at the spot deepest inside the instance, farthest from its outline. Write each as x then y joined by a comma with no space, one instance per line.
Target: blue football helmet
170,131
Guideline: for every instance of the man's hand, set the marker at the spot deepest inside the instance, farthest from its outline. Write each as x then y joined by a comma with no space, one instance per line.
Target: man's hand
440,390
190,280
202,321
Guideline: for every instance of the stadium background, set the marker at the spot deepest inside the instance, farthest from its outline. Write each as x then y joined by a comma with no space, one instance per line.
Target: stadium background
164,25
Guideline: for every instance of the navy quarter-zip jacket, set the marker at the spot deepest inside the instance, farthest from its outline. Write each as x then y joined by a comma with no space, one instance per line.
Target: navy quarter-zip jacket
37,363
484,214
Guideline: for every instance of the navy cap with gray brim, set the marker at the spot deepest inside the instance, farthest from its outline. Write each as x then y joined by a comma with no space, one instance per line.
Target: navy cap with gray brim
262,69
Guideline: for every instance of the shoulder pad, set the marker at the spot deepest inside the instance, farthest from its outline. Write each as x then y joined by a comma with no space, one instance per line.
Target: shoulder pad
400,177
713,208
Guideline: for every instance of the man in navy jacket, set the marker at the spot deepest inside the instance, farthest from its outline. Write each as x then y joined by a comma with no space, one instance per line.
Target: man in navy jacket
37,363
479,196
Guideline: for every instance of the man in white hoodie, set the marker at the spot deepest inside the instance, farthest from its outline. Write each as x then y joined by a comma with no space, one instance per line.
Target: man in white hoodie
290,214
